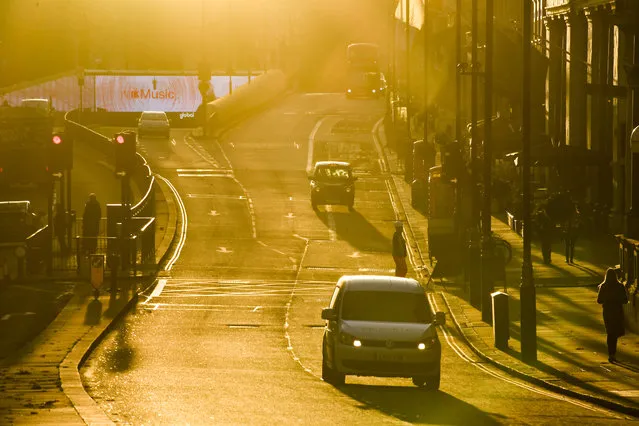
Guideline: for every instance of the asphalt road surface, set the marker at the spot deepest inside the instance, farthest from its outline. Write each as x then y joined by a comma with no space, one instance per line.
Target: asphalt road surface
232,333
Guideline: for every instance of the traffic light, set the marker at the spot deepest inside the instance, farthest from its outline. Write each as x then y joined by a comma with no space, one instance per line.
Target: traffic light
60,153
125,151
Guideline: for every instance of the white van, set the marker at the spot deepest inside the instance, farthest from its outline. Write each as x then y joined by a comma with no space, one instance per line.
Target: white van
381,326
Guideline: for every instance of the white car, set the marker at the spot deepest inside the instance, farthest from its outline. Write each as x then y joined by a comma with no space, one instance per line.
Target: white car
154,123
381,326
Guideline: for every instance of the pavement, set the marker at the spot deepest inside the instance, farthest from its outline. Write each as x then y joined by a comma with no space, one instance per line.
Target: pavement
40,382
572,356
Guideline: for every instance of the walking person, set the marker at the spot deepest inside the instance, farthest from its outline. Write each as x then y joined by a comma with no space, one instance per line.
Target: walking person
60,228
399,250
570,233
91,224
612,296
546,234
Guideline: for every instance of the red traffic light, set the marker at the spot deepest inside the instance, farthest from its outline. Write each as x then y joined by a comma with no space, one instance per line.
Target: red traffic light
119,139
57,139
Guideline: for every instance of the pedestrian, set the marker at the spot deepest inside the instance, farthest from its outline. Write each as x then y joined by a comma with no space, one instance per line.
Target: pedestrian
612,295
399,250
60,228
570,233
91,223
546,229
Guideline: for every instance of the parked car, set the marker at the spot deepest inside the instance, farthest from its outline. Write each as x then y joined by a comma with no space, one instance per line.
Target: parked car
332,182
154,123
381,326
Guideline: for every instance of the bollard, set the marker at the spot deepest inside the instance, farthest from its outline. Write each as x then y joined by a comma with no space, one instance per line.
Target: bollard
501,320
113,262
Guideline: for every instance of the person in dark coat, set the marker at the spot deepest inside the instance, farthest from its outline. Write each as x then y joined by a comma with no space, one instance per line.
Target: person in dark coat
399,251
612,296
91,223
546,229
570,234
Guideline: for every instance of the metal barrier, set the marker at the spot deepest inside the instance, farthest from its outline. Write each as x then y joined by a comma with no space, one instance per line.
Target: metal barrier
628,260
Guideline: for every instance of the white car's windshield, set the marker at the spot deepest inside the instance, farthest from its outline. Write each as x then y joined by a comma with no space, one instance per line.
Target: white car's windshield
386,306
154,117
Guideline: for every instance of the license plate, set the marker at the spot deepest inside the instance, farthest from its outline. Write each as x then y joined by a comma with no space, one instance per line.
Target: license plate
388,357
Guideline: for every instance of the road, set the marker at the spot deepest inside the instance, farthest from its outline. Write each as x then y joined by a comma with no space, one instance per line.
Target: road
232,333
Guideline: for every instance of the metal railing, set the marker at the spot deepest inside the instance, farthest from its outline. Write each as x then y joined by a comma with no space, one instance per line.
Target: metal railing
629,261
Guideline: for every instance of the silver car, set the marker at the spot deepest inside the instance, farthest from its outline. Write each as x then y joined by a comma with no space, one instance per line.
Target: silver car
381,326
154,123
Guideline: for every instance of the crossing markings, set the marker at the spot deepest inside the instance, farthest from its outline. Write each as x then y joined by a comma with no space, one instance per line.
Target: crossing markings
174,295
204,173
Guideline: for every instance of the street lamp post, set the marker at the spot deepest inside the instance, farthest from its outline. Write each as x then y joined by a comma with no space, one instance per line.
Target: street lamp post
527,288
487,249
425,28
408,159
474,251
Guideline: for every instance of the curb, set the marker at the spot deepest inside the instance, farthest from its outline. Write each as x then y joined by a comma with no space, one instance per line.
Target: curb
617,407
69,369
614,406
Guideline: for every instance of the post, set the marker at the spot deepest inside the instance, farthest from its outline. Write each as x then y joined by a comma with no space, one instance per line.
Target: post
408,159
474,249
69,230
49,265
426,28
527,288
458,76
487,249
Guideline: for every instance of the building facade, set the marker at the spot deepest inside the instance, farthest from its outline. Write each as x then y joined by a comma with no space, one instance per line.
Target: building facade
592,48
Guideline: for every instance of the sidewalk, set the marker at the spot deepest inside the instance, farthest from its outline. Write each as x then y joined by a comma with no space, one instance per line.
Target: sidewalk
571,342
41,384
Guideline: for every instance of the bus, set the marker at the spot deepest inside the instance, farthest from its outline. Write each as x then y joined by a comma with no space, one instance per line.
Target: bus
364,78
363,56
25,132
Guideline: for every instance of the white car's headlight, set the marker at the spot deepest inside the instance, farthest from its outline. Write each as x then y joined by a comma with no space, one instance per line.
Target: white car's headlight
348,339
426,343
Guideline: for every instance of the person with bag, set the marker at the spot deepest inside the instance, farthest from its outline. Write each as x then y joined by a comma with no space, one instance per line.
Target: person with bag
612,296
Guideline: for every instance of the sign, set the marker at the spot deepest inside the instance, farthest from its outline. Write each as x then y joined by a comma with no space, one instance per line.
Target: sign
97,270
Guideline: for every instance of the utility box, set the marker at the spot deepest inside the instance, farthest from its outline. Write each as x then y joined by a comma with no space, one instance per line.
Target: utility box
501,319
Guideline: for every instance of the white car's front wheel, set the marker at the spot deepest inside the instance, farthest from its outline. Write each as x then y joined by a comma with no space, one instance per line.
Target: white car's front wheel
330,375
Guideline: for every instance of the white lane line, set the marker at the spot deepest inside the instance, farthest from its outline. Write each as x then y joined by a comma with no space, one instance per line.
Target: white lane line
382,163
311,142
332,226
183,228
158,288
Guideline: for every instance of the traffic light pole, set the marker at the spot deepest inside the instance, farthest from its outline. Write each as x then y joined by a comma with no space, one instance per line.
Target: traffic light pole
69,230
49,260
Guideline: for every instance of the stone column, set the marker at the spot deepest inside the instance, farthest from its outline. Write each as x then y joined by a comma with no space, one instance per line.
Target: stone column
576,78
555,78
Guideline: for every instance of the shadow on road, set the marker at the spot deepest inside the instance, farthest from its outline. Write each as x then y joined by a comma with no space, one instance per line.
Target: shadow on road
353,228
418,406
